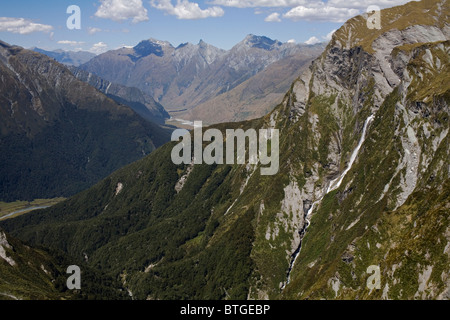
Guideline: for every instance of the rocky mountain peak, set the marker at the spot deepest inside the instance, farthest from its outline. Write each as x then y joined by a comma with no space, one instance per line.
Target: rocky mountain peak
260,42
151,46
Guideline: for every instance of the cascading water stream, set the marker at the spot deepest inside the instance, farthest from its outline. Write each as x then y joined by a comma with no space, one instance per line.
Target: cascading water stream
334,184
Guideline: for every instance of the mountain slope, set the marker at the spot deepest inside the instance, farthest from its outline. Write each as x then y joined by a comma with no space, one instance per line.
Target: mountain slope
363,182
35,274
59,135
141,103
254,97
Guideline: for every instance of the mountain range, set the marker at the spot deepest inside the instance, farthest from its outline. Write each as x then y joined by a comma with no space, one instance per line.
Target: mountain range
59,135
143,104
363,182
196,82
70,58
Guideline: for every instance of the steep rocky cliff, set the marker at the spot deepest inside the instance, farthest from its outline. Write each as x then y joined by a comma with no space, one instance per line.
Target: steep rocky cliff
395,85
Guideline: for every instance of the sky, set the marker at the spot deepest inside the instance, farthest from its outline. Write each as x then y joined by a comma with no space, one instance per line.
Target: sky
101,25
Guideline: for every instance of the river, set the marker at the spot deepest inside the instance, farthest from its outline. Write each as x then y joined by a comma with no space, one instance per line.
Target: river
23,210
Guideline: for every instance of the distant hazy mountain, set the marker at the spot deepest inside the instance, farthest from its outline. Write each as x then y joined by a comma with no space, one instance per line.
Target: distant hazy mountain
140,102
71,58
256,96
58,134
189,75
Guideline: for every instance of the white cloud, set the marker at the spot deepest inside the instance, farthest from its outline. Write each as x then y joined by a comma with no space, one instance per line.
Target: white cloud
22,26
124,46
352,4
329,35
363,4
259,3
312,40
313,10
291,41
93,30
274,17
99,47
121,10
321,12
71,43
187,10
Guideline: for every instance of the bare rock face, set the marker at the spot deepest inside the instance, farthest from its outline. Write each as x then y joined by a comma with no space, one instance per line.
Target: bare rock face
4,244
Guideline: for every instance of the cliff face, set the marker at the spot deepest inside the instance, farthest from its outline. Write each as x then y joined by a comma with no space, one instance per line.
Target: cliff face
378,213
363,184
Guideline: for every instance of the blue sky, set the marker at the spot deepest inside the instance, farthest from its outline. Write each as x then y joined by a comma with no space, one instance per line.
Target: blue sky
110,24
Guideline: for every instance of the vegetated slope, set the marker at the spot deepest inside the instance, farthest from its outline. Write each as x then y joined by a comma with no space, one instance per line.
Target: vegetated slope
141,103
35,274
59,135
190,75
363,181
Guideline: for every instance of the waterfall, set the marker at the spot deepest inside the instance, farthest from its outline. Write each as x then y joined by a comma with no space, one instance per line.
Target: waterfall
334,184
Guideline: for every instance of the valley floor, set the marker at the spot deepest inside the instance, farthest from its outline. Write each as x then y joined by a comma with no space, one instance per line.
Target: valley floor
14,209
